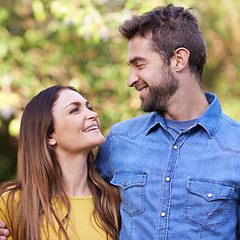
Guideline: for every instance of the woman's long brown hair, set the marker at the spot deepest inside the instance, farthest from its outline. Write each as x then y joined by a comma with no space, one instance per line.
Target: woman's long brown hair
39,179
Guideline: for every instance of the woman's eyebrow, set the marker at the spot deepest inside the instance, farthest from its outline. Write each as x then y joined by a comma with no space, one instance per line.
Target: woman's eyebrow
77,103
73,103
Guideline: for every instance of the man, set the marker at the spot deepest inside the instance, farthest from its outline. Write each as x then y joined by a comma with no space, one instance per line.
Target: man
177,168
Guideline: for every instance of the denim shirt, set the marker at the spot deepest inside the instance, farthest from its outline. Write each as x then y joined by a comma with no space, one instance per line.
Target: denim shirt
183,188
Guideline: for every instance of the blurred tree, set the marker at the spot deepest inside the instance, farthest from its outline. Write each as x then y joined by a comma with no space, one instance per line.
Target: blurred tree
77,43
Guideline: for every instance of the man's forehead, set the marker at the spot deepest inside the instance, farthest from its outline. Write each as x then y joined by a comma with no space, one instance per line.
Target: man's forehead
136,44
138,48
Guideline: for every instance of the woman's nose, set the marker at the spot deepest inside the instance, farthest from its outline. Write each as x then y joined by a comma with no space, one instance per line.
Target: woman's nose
92,115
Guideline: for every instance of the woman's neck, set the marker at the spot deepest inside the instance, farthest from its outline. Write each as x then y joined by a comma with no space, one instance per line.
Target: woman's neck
75,173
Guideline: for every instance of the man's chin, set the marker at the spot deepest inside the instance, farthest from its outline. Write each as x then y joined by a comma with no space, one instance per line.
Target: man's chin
146,108
151,108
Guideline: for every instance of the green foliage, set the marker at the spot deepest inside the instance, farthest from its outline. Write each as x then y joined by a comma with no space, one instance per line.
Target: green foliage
77,43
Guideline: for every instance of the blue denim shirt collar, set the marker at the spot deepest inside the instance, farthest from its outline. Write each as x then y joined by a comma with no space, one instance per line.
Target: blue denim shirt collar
208,120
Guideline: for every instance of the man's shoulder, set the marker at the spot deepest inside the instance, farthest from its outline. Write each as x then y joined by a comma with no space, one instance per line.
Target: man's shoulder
230,123
132,125
228,133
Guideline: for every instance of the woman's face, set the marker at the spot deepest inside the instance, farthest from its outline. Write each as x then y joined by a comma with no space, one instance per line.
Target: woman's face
76,126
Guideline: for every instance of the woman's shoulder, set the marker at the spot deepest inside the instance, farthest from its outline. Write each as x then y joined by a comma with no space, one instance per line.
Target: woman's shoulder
9,193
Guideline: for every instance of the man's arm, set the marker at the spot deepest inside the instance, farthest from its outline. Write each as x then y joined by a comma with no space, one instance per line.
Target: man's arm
238,231
102,164
4,232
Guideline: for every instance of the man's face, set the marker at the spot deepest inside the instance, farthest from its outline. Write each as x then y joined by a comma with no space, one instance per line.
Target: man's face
150,75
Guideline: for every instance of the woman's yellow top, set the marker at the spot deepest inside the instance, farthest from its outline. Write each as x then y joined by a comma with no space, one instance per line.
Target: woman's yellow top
81,225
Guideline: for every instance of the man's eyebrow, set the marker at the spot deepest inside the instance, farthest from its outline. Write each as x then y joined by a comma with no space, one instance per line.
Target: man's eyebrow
135,59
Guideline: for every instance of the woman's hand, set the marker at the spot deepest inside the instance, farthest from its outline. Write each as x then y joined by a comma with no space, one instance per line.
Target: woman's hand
4,232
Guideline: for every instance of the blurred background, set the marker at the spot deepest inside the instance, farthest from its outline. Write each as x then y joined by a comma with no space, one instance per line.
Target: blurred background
48,42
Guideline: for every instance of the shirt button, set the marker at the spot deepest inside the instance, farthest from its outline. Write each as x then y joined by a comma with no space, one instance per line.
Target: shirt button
209,195
175,147
167,179
163,214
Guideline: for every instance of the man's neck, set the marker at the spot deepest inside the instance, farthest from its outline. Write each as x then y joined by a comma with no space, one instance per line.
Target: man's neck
186,106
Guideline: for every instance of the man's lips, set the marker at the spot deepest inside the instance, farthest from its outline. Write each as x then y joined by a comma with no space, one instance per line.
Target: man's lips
142,91
141,88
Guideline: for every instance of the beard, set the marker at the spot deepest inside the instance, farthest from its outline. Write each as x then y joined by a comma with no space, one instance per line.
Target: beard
160,94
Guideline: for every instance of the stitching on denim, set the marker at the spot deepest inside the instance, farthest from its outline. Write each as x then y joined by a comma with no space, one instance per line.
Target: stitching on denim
211,182
131,229
170,190
216,127
211,133
224,117
204,226
170,187
109,150
140,183
207,226
142,130
212,213
142,190
127,136
201,234
163,188
139,210
225,149
160,203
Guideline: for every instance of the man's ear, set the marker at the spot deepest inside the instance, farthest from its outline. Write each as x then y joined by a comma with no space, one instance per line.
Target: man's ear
180,59
52,141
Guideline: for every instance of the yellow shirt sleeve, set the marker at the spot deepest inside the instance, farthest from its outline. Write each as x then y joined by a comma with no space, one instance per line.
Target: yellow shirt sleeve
4,214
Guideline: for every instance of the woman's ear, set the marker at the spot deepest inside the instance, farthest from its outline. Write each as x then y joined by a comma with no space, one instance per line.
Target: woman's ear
52,141
180,59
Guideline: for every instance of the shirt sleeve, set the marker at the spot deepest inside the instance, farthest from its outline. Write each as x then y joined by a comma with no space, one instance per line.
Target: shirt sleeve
3,211
3,208
103,165
238,231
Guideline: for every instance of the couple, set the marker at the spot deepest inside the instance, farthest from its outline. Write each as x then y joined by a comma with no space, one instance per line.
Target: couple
177,168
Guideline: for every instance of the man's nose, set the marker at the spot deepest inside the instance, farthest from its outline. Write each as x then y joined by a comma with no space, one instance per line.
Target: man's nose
133,78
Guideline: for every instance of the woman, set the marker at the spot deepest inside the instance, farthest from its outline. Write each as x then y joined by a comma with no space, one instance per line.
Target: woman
58,193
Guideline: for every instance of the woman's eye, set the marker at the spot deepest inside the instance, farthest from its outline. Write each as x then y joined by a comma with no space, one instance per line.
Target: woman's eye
90,108
74,110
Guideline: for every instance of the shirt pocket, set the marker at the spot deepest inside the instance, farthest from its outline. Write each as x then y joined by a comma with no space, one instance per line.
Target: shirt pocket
207,202
132,188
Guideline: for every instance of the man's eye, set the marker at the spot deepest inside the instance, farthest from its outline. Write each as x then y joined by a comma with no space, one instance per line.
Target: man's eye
90,108
139,65
74,110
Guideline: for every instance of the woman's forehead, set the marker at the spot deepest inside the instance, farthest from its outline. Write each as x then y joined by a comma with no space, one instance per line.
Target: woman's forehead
69,95
66,97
